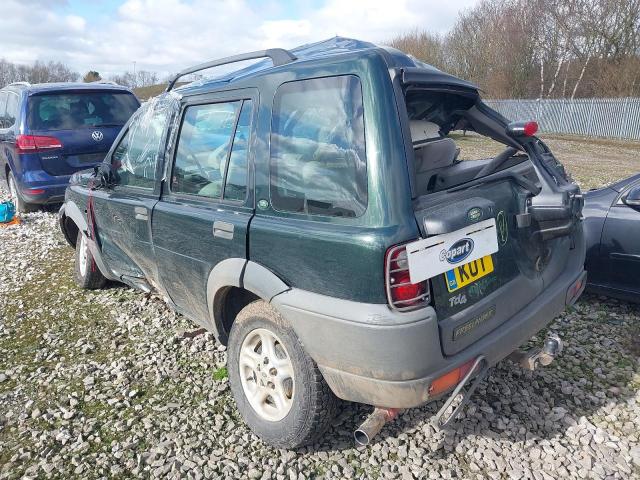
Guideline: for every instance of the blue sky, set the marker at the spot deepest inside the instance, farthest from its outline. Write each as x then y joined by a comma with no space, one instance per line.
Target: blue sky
167,35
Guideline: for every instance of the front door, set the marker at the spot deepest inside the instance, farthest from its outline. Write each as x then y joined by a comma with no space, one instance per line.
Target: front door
621,245
203,215
123,211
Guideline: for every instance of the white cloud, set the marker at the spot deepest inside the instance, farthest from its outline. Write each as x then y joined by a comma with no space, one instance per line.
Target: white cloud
167,35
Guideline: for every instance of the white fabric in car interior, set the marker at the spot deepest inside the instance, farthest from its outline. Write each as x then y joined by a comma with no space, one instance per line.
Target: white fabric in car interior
436,154
422,130
432,157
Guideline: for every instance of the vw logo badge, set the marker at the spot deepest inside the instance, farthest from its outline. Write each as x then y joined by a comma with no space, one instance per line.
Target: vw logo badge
97,136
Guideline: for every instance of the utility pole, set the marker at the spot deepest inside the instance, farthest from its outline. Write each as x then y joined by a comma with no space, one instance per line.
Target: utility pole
135,80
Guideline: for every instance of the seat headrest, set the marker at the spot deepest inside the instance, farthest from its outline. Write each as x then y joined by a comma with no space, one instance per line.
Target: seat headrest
422,130
435,154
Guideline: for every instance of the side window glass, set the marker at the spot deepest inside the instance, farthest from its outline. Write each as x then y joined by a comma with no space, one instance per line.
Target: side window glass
3,111
318,162
236,175
136,156
203,147
12,109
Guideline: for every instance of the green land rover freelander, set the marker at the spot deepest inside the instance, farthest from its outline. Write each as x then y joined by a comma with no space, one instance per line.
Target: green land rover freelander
311,211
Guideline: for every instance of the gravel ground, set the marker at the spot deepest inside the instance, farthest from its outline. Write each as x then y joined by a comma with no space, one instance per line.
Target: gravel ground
111,384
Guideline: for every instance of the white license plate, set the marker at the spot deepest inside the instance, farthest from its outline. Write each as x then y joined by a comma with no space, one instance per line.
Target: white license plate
438,254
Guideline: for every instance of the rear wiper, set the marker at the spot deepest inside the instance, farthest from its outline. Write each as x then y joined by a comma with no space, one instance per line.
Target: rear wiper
106,125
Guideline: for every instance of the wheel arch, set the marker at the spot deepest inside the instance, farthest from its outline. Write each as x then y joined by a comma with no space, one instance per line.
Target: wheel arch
72,220
233,284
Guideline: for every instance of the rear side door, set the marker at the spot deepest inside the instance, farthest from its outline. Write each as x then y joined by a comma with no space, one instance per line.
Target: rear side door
621,244
123,212
203,215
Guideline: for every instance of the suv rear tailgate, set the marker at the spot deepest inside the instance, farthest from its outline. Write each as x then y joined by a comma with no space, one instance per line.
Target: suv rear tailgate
469,309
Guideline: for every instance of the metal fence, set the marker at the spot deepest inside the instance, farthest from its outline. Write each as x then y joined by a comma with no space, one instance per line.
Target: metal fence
591,117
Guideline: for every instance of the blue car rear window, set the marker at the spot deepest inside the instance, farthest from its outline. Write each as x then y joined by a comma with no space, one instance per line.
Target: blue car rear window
68,111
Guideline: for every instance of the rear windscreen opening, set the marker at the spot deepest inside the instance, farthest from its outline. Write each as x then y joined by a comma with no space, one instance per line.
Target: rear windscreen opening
69,111
447,150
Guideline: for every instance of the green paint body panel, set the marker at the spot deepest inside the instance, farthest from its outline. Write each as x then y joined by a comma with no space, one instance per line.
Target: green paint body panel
339,257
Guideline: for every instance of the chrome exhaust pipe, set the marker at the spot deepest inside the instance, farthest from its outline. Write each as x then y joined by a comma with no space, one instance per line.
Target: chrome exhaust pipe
373,424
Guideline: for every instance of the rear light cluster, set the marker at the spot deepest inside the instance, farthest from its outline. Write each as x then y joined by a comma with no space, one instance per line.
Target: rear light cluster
401,293
450,379
530,129
36,143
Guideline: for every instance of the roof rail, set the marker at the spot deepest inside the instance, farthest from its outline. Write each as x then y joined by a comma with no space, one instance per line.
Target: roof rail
278,56
107,82
24,84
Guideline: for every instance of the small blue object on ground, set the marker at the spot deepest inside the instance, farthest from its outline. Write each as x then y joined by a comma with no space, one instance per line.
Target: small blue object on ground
7,211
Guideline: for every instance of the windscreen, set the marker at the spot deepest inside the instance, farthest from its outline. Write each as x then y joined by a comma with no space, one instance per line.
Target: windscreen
68,111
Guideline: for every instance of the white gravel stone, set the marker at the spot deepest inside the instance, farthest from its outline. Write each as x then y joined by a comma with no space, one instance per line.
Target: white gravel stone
97,384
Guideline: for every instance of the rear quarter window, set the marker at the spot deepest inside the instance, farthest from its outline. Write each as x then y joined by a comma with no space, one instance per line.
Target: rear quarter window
69,111
11,114
318,161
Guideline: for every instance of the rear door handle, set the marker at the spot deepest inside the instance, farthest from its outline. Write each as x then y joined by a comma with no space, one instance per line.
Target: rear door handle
141,213
223,230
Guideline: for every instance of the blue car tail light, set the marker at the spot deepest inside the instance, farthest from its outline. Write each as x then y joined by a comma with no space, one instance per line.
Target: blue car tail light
36,143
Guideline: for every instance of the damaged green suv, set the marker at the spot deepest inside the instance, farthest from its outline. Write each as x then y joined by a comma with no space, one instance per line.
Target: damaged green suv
312,211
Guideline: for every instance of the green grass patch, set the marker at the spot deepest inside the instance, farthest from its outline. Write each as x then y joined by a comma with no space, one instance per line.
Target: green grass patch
220,374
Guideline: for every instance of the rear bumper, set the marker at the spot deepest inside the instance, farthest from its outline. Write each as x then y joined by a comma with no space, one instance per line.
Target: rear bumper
38,187
369,354
51,194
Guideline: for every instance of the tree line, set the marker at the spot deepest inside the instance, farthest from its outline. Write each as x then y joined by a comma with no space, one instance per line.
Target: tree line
539,48
46,72
509,48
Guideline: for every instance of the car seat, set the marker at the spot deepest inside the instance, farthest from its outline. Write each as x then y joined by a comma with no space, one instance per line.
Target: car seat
432,153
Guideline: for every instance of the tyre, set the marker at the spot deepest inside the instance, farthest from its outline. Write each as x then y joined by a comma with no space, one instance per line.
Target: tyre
86,272
21,205
278,388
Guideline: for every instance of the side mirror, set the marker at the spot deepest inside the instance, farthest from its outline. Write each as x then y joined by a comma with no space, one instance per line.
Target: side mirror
105,175
633,197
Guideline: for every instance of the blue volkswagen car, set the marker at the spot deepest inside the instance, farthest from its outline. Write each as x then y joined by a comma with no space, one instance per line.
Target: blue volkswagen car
50,131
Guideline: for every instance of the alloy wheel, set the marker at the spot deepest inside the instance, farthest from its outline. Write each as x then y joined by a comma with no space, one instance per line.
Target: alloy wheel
83,255
266,373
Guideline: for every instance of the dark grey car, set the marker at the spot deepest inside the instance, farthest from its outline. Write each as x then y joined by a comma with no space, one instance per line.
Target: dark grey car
612,231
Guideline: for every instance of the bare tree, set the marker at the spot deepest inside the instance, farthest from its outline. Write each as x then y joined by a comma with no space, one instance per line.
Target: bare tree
424,46
39,72
142,78
540,48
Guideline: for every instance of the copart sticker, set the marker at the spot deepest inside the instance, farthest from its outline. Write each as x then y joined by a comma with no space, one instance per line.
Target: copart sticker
435,255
